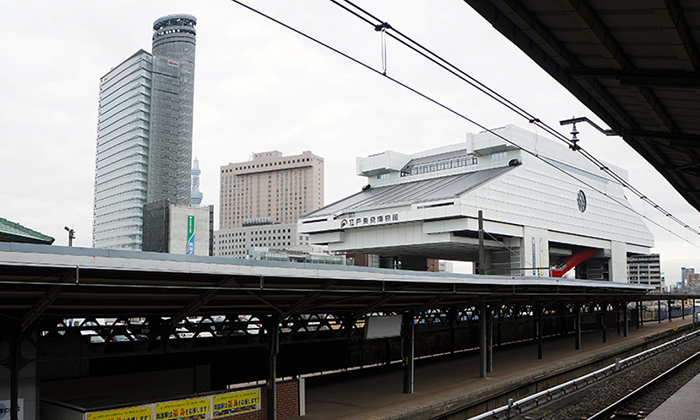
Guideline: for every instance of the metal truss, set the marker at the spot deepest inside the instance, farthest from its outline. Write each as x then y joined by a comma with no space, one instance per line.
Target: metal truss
97,337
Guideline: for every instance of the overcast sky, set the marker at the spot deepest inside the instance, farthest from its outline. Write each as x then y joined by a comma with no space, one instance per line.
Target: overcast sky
260,87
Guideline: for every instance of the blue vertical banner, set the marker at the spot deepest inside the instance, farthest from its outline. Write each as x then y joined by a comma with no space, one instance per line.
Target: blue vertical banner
190,235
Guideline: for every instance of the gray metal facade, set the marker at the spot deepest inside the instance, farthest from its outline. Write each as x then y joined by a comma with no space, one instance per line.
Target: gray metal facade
172,96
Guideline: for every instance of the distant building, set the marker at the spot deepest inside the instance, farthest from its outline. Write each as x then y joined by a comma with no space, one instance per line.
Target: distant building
270,186
14,232
178,229
144,138
259,239
645,269
262,233
196,196
307,254
685,273
693,280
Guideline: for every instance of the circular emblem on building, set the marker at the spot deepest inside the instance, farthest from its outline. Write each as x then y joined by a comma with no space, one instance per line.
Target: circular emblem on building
581,200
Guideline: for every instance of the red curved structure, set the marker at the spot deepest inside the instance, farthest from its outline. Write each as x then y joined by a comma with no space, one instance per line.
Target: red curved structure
572,261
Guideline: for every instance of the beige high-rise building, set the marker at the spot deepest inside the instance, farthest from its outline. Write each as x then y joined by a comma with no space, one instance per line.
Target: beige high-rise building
270,186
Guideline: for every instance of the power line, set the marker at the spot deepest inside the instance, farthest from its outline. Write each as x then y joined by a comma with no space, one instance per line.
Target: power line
454,70
455,112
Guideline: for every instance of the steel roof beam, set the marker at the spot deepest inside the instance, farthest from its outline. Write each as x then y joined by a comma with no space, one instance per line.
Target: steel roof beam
300,305
589,22
196,304
668,139
671,14
46,300
639,77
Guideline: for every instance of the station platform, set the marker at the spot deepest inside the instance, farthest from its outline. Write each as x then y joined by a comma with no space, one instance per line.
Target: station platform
683,405
440,383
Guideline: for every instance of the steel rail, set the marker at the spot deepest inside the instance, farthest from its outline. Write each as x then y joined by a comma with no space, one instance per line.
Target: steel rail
543,397
609,410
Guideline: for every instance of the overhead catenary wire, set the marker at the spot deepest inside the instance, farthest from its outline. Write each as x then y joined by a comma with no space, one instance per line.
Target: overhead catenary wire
455,112
397,35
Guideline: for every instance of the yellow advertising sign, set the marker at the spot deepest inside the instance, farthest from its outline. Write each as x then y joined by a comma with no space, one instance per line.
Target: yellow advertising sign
144,412
236,403
191,409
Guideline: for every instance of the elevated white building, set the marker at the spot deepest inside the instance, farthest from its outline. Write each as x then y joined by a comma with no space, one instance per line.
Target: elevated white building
544,213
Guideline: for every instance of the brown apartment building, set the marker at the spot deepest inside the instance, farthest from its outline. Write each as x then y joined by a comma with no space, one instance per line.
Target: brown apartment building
270,186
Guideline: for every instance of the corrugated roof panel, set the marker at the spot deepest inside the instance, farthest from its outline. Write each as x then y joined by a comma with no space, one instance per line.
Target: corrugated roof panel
422,191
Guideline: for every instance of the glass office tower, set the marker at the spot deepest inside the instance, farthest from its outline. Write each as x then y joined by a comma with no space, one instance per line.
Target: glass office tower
122,153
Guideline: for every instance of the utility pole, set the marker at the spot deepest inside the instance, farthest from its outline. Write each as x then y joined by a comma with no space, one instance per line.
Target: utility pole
482,252
71,235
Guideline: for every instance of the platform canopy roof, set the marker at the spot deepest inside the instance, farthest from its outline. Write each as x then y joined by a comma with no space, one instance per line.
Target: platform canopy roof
635,64
49,282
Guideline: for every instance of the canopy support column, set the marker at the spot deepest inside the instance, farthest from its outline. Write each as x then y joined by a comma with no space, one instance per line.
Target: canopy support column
604,323
15,349
489,330
483,357
682,308
272,368
639,315
540,333
408,341
578,327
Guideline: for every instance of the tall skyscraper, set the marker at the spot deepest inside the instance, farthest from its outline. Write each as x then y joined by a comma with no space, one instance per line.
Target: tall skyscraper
144,139
270,186
172,90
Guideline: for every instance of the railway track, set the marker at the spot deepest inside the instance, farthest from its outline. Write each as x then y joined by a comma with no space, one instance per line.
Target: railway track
643,400
600,393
